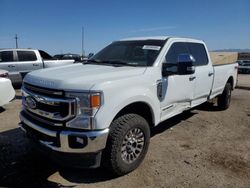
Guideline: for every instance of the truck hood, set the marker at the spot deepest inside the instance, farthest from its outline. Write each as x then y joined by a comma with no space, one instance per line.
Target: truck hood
79,76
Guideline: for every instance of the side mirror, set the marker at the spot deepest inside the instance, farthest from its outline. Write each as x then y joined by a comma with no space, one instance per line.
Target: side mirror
184,66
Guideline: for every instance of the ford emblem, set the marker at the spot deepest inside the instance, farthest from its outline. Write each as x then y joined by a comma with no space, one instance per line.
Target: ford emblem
31,103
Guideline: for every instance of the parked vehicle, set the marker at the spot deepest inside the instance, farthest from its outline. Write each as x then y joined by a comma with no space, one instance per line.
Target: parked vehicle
75,57
244,66
4,74
21,61
7,92
103,109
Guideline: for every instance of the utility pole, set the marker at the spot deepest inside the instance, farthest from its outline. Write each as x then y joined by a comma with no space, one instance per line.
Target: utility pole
16,41
83,52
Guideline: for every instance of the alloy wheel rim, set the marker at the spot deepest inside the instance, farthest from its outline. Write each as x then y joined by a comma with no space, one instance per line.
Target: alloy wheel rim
132,145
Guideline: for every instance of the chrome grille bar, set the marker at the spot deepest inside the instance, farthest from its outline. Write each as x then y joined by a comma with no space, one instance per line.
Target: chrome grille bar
42,120
50,102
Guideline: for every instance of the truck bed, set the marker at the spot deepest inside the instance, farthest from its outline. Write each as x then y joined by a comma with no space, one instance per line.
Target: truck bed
222,58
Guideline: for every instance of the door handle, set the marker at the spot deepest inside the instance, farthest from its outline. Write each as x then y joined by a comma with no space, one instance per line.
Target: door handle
210,73
11,66
35,65
191,78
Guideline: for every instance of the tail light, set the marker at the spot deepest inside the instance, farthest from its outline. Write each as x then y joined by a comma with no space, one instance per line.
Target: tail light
4,75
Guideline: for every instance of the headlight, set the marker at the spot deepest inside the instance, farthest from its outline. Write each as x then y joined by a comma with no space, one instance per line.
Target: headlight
87,106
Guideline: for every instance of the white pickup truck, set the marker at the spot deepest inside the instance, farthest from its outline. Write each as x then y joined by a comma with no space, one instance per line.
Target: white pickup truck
18,62
102,111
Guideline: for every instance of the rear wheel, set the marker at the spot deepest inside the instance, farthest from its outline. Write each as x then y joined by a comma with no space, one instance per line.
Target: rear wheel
225,98
127,144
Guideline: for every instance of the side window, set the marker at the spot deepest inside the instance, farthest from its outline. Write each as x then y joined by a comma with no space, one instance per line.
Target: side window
6,56
45,55
199,53
175,50
26,56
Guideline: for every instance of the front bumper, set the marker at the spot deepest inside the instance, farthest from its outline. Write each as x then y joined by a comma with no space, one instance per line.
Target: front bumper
66,140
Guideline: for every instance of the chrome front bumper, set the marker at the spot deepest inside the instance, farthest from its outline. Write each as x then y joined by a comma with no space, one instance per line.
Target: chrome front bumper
96,140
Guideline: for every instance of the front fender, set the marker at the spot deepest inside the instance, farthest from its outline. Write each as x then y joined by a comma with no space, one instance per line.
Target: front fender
113,104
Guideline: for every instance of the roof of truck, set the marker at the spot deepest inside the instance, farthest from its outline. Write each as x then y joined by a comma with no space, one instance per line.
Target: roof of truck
158,38
26,49
147,38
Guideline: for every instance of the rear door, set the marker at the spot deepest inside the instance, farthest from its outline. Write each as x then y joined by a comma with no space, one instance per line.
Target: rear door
27,61
7,62
203,72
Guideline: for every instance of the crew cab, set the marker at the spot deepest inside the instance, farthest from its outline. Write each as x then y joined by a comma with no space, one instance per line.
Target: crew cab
18,62
102,110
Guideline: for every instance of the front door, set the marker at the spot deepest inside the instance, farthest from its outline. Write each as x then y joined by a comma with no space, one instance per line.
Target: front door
177,90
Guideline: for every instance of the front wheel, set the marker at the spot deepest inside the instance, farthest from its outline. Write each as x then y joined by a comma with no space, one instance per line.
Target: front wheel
225,98
127,144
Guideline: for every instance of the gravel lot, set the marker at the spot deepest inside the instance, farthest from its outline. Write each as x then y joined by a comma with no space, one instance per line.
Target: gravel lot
244,81
201,148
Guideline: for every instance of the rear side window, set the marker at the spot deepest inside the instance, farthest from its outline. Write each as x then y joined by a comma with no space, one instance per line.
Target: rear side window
175,50
199,53
6,56
26,56
45,55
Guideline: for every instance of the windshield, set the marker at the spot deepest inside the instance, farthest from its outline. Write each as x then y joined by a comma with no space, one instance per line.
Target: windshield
130,53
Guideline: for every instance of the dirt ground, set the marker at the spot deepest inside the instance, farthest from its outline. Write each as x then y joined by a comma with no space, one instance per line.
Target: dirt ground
201,148
244,81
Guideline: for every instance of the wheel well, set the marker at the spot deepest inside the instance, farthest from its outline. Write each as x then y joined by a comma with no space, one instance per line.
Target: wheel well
231,81
139,108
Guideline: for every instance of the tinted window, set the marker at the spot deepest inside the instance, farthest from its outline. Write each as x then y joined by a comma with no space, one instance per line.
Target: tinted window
45,55
175,50
26,56
137,53
198,51
6,56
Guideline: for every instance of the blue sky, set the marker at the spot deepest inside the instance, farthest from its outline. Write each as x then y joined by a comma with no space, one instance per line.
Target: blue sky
55,26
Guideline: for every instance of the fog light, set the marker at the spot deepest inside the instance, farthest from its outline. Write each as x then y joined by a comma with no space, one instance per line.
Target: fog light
77,141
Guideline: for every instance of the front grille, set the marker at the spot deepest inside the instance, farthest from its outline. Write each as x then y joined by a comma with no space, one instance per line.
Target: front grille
43,91
42,120
62,108
46,108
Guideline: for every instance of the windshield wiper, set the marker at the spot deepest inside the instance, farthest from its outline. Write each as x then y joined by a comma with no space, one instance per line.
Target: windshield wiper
90,61
110,62
117,63
94,61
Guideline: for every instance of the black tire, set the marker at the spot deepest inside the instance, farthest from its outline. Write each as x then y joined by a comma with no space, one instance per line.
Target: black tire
225,98
119,130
